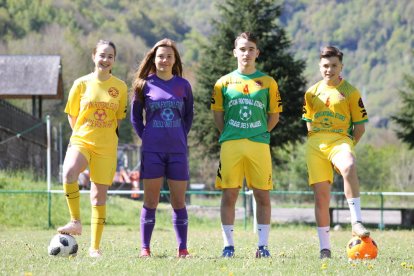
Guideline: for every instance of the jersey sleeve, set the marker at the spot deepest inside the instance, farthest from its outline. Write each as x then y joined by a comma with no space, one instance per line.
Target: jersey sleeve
358,112
217,97
307,107
73,104
123,101
275,101
137,118
189,108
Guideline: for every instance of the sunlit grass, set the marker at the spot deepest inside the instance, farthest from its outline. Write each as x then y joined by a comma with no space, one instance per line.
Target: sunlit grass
24,236
294,252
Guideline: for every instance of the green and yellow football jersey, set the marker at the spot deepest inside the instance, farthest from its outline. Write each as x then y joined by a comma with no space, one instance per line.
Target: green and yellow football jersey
333,109
245,101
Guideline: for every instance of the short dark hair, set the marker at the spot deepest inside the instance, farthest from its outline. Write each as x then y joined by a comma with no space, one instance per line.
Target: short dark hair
331,51
248,36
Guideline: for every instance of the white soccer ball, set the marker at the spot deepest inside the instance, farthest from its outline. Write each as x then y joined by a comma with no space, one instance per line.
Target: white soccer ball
62,245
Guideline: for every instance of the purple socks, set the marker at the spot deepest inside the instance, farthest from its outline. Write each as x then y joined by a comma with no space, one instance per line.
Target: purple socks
180,223
147,226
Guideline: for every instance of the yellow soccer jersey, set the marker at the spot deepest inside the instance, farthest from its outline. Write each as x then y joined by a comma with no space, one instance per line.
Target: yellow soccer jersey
97,105
246,100
333,109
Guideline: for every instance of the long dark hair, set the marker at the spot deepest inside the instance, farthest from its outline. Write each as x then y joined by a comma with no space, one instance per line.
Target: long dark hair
147,67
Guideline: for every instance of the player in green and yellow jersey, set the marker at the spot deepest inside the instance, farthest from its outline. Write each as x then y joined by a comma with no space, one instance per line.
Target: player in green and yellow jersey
246,106
335,118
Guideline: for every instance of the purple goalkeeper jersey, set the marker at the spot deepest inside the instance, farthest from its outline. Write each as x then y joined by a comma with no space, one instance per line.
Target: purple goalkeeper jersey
168,115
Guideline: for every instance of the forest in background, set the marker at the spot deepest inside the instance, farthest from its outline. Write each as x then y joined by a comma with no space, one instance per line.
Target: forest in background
375,36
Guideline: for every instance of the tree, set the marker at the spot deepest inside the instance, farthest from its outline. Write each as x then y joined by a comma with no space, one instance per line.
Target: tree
259,17
405,116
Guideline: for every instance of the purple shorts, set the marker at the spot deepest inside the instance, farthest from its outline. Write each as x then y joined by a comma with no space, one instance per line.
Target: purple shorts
171,165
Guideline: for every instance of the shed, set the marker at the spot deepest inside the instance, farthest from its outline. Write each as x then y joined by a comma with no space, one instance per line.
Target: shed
31,76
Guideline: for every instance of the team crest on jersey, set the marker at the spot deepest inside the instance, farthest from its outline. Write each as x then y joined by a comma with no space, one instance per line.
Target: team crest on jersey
113,92
100,114
259,83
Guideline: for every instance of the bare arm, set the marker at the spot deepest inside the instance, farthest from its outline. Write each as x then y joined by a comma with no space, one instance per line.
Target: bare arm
309,126
72,121
272,120
359,130
219,119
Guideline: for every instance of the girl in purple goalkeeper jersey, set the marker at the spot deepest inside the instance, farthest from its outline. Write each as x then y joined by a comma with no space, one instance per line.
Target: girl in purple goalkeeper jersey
166,99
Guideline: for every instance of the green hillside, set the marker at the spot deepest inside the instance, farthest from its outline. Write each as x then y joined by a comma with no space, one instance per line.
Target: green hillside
375,35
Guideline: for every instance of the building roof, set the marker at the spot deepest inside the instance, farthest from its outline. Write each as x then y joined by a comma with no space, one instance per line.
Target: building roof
24,76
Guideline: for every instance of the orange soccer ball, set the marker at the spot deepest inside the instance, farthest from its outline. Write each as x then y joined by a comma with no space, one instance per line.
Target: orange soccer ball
361,248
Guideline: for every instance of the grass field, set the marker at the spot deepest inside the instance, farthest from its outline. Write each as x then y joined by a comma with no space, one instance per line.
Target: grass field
294,252
24,237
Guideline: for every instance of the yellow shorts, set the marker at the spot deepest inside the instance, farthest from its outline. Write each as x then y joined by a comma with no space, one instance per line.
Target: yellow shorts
241,159
101,167
320,150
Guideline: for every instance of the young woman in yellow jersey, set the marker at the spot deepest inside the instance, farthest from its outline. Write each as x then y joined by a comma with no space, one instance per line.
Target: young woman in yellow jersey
335,116
96,104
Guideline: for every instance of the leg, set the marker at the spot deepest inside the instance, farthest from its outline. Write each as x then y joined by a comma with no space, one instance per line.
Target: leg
180,216
177,193
152,188
264,209
263,214
228,205
345,162
227,213
75,162
322,193
98,216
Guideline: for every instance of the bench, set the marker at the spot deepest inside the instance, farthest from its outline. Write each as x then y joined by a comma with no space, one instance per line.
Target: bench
406,215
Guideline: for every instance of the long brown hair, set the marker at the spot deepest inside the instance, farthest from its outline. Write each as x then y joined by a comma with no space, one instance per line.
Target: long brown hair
147,67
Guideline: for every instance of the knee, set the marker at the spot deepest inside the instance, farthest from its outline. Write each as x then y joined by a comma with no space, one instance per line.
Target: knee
178,203
150,202
322,201
228,200
70,175
97,199
262,201
348,169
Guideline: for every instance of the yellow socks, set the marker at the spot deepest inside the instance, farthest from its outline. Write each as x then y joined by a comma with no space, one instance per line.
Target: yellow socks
97,225
72,199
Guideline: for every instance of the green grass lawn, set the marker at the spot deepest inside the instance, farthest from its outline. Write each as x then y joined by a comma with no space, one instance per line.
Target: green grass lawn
25,235
294,252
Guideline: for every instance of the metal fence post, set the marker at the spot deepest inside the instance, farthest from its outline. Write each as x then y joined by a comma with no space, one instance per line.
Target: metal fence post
49,169
382,226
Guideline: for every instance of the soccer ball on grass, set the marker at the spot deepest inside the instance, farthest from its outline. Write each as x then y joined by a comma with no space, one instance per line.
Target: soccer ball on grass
361,248
63,245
